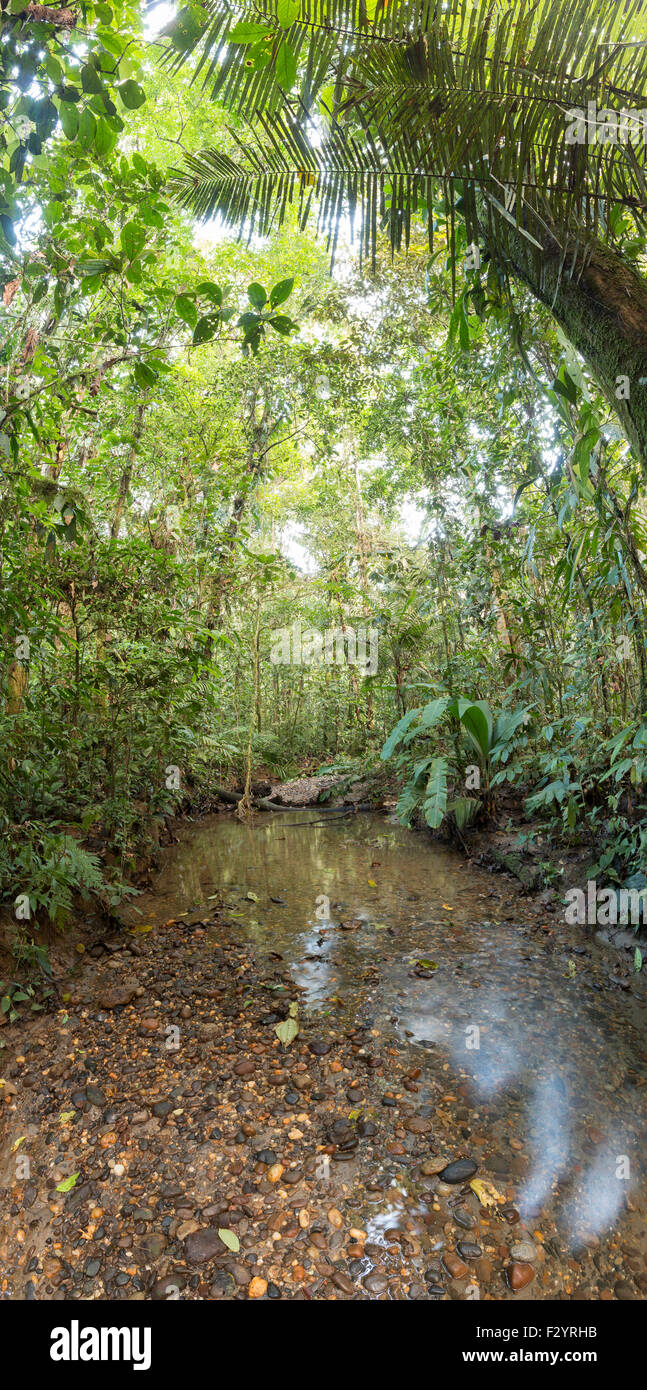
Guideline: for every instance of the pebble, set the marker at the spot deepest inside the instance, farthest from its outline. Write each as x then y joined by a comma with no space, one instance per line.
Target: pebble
344,1283
469,1250
376,1283
461,1170
519,1276
201,1246
456,1268
525,1251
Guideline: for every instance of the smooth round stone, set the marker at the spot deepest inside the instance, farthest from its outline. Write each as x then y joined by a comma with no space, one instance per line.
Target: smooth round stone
519,1276
464,1218
266,1156
376,1283
469,1250
461,1170
525,1251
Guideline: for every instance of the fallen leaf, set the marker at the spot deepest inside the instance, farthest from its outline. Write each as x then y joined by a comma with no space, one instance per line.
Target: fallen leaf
67,1184
486,1192
230,1239
287,1031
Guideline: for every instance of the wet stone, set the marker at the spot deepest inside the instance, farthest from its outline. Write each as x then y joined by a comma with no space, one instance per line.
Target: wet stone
201,1246
464,1218
469,1250
95,1096
525,1251
461,1170
376,1283
519,1275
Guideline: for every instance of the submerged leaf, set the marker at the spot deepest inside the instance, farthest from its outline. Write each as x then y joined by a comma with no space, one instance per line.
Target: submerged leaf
486,1192
67,1184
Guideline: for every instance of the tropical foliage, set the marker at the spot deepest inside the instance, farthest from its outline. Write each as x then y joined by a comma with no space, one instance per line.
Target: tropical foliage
213,450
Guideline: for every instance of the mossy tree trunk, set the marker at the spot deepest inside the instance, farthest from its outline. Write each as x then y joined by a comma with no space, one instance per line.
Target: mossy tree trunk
600,302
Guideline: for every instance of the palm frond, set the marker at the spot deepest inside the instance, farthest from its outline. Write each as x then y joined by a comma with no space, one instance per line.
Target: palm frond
396,101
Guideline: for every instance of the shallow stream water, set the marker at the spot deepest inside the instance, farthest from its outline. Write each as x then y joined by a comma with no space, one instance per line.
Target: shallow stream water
378,926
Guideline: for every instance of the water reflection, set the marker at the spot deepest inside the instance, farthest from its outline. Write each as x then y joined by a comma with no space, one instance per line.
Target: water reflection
550,1058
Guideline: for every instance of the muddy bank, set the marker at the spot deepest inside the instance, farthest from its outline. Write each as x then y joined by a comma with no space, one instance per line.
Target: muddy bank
203,1156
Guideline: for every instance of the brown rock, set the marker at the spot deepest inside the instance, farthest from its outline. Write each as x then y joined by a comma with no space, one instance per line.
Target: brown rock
416,1125
201,1246
456,1268
116,998
344,1283
519,1276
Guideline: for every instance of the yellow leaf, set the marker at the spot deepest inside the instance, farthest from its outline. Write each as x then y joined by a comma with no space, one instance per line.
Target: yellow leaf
447,907
21,1140
486,1192
372,883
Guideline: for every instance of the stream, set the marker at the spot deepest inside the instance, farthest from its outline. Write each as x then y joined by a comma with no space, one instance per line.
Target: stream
449,1029
551,1052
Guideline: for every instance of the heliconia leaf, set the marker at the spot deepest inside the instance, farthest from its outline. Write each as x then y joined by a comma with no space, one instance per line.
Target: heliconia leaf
435,803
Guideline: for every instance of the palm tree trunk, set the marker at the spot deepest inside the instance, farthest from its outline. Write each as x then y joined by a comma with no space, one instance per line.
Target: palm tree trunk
600,302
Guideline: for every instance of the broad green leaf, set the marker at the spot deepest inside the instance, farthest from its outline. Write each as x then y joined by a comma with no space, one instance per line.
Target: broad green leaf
87,128
90,80
257,296
132,95
478,727
287,1031
435,803
287,11
69,120
281,292
186,310
282,324
249,33
398,733
133,240
105,138
286,66
205,329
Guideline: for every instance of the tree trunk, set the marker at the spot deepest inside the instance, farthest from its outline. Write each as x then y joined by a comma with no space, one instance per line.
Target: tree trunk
600,302
124,481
